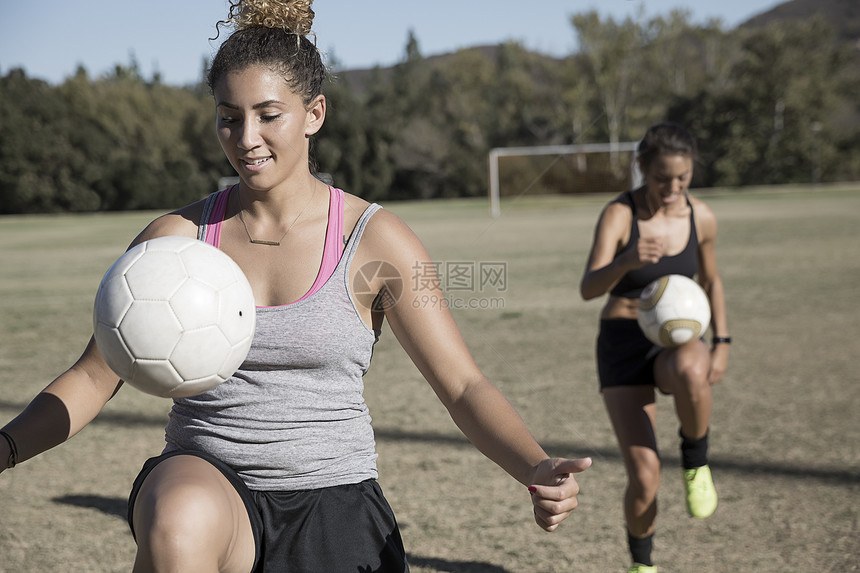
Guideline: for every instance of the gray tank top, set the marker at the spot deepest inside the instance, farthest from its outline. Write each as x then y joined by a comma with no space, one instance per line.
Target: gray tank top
293,416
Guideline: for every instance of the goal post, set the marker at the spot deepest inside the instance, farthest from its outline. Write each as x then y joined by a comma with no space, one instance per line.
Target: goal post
623,154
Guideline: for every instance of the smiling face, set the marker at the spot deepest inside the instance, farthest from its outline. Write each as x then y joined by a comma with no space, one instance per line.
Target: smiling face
667,178
263,126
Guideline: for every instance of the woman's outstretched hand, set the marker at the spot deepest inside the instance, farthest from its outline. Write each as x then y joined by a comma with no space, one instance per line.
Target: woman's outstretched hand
554,490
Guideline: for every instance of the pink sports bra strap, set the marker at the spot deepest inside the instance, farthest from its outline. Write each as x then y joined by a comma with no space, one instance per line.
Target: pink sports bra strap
213,227
333,241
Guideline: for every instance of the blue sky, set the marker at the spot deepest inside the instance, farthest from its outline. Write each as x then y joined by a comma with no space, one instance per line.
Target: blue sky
50,38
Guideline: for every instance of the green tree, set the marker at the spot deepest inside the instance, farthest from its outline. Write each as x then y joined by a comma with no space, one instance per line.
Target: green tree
773,123
613,54
341,147
43,166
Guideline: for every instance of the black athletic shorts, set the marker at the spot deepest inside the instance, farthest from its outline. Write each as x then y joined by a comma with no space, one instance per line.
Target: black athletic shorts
348,528
625,357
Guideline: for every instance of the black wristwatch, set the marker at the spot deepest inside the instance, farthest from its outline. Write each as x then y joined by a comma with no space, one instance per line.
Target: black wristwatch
721,340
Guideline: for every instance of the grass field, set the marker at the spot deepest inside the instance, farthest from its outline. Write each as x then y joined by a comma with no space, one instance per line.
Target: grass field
785,433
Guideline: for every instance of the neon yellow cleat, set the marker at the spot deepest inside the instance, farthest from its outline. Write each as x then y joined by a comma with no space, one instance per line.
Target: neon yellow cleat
701,495
639,568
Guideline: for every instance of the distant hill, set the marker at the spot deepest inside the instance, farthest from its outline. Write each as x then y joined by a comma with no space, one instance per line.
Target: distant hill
359,78
843,15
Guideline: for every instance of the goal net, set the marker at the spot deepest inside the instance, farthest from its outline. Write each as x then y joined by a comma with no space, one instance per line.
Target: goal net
561,169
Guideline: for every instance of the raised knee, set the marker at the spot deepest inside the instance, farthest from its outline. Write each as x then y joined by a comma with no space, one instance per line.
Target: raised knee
177,528
173,516
693,370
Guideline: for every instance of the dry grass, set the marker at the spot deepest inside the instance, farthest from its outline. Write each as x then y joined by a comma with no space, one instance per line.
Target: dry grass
784,436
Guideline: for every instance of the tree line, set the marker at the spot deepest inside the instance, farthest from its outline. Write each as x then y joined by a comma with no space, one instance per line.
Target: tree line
769,105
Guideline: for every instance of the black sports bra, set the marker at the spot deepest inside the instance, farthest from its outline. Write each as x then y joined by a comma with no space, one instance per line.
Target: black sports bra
684,263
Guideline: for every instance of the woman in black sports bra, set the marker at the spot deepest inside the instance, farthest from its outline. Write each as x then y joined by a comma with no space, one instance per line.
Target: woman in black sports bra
645,233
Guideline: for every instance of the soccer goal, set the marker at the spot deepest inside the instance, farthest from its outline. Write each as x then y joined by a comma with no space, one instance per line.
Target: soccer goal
561,169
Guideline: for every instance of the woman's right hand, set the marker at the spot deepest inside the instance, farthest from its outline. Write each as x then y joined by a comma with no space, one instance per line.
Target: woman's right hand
648,251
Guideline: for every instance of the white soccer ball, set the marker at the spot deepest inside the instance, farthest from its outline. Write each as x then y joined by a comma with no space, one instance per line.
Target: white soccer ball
673,310
174,317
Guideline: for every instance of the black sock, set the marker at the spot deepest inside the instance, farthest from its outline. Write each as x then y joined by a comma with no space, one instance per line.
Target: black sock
640,548
694,453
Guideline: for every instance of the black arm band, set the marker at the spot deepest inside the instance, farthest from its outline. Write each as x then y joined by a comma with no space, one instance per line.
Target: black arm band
13,457
721,340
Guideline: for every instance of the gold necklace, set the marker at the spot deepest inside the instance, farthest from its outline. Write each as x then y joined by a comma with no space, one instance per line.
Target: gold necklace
271,243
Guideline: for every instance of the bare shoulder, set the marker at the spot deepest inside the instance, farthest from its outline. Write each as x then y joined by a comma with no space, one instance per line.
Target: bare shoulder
615,209
182,222
616,215
388,237
353,207
382,227
706,221
700,205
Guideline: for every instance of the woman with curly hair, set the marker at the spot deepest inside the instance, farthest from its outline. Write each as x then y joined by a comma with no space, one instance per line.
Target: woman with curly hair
275,470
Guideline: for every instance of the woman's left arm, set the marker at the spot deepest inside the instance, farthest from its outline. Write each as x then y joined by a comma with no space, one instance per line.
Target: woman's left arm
709,278
426,329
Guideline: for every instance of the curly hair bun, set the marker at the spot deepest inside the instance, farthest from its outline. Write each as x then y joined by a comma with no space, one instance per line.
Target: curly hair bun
295,16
